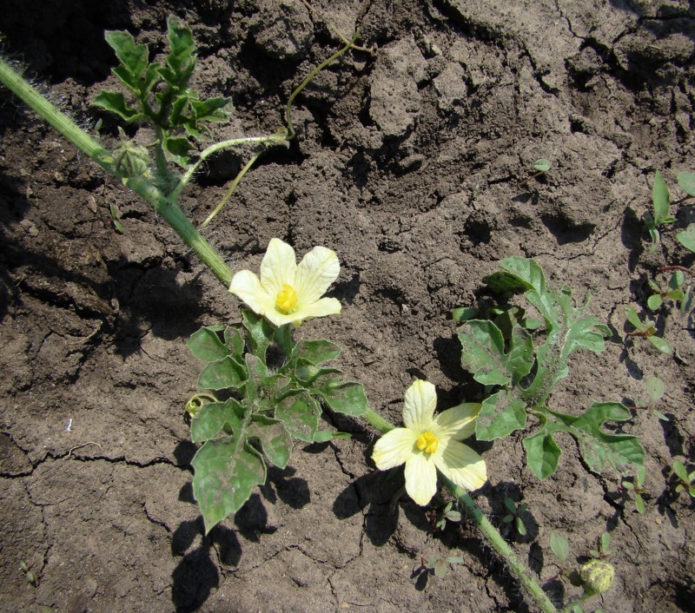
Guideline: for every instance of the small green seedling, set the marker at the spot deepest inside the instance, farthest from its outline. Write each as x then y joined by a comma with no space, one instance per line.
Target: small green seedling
673,291
685,481
604,547
514,515
647,329
559,546
448,513
116,218
540,167
439,567
655,392
636,487
659,216
29,576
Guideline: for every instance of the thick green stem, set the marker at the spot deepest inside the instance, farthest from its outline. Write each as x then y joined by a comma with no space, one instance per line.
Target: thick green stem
166,207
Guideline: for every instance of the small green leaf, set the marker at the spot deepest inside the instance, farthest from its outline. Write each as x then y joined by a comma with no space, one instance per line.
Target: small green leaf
661,344
318,352
542,453
205,344
274,439
115,102
483,353
226,471
680,471
223,374
660,199
606,542
654,302
441,568
559,545
686,180
343,397
133,57
454,559
213,417
687,237
655,388
634,319
461,314
541,165
261,332
501,414
520,526
639,503
300,414
677,279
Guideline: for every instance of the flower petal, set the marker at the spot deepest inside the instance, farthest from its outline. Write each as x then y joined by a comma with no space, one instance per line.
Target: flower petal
458,422
321,308
247,286
420,402
420,478
279,266
317,270
394,448
462,465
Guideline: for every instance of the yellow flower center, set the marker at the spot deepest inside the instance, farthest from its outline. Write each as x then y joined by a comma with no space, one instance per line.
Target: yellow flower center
286,299
427,442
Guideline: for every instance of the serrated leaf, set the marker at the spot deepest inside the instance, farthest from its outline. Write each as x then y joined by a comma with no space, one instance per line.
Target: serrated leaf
686,180
211,109
542,453
661,344
274,439
501,414
115,102
226,373
300,414
213,417
343,397
483,353
206,345
660,199
226,471
260,330
559,546
133,57
600,449
687,237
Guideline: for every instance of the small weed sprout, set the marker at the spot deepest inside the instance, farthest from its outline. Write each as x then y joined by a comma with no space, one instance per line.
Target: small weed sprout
647,329
655,392
559,545
603,549
635,486
28,575
685,481
659,216
515,515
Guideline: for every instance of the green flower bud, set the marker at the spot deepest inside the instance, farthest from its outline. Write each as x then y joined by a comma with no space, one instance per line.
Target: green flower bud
597,575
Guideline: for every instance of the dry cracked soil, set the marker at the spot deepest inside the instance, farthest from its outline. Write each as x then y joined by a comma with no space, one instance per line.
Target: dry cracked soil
414,162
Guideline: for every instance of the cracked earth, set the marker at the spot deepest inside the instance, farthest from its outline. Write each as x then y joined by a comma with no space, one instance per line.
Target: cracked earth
414,165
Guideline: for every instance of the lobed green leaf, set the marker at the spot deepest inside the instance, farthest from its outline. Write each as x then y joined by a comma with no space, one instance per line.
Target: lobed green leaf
223,374
273,438
226,471
206,345
343,397
300,414
213,417
115,102
501,414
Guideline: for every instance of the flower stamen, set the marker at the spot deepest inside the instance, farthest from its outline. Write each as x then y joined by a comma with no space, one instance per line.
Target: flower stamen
286,299
427,442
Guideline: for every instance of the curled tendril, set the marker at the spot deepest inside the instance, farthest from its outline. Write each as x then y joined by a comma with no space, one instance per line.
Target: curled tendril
197,402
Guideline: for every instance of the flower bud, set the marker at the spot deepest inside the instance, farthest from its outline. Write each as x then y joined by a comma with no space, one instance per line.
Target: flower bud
597,575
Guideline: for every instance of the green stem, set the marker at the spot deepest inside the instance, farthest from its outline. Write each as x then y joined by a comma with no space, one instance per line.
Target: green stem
166,207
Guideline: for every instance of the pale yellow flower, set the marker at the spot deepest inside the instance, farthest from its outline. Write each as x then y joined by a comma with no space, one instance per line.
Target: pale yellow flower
287,293
428,443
